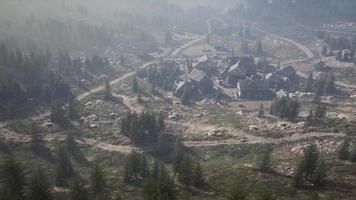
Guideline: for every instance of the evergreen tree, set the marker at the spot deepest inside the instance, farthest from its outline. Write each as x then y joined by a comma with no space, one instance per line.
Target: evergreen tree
64,165
168,38
298,175
311,156
330,87
178,156
58,115
39,188
185,172
261,111
353,155
186,96
320,174
127,173
310,168
108,94
135,86
309,84
71,145
267,194
324,51
344,149
37,142
259,50
198,176
160,122
97,180
122,59
13,178
78,191
339,55
160,187
144,170
238,191
73,112
265,164
320,112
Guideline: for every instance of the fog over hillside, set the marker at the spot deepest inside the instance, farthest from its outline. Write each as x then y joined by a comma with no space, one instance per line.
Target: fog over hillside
177,99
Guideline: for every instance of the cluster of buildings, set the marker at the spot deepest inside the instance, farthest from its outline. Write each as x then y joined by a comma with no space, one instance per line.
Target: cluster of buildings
253,79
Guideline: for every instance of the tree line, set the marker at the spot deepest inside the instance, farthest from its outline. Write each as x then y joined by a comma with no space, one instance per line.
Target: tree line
142,128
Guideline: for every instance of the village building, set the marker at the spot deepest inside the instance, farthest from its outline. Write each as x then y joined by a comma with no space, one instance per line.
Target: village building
288,72
254,90
196,82
282,94
243,68
206,65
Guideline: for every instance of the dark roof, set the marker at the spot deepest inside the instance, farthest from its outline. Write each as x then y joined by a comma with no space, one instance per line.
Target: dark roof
287,70
252,85
196,75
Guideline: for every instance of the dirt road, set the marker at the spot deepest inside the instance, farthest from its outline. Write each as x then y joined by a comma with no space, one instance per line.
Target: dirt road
9,135
309,56
293,138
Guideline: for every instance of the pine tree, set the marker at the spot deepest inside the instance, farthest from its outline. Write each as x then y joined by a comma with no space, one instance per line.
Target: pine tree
238,191
108,94
135,86
320,174
298,175
73,112
311,156
64,164
37,142
178,157
344,149
259,50
13,178
97,180
339,55
261,111
160,122
127,173
320,112
265,164
309,84
186,96
324,51
185,172
353,155
122,59
71,144
78,191
330,87
161,142
39,188
159,186
144,170
267,194
198,176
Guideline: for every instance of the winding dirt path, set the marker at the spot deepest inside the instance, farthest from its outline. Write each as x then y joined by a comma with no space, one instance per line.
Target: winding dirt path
258,140
9,135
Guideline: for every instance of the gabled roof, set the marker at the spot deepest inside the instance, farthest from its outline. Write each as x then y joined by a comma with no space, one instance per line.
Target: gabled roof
281,93
238,67
203,59
196,75
180,85
287,70
253,85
